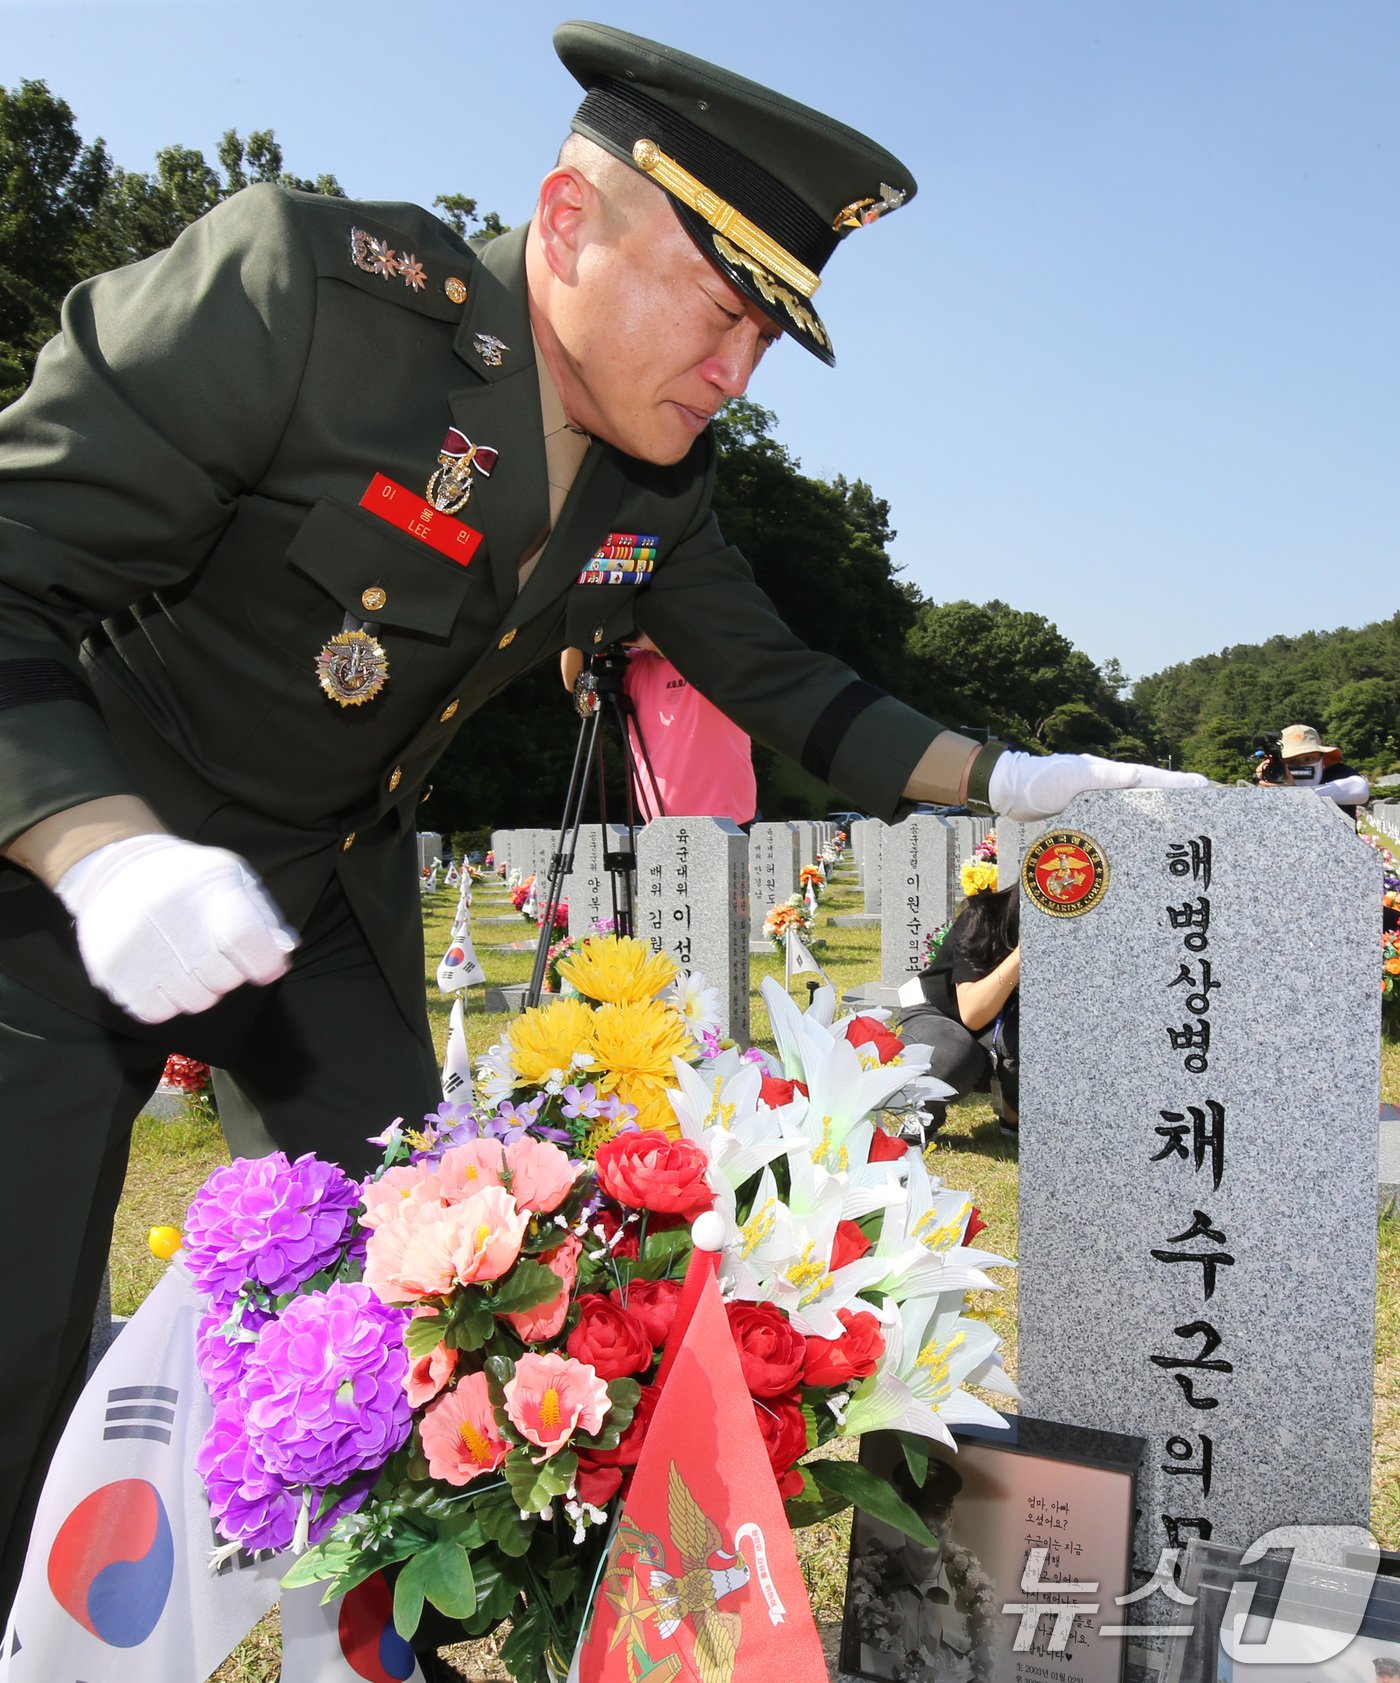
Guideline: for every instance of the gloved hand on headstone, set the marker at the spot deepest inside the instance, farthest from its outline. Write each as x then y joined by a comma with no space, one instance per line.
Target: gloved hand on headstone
1030,786
166,926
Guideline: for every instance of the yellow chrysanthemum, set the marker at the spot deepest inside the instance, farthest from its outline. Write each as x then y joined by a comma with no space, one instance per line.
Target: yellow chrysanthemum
618,970
978,877
654,1112
548,1039
634,1045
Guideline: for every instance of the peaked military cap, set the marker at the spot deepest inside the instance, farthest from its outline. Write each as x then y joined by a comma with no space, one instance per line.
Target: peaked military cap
767,188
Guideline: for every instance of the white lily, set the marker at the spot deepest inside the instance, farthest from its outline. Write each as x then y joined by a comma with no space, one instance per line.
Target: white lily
921,1244
917,1387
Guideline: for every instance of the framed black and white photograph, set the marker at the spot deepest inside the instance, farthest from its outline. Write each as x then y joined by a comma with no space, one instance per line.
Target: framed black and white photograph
1019,1517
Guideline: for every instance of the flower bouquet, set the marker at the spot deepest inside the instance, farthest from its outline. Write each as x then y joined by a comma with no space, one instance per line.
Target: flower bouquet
194,1081
813,877
450,1369
792,913
522,897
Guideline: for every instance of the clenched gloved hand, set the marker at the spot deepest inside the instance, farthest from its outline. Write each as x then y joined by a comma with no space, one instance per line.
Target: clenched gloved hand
166,926
1031,786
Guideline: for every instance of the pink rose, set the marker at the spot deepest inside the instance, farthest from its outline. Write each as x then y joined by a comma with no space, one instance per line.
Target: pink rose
541,1176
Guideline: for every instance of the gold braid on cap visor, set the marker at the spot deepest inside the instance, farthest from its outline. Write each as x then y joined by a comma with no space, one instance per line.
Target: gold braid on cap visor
722,217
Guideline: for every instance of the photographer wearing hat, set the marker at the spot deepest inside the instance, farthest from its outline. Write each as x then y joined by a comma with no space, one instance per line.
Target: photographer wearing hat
1304,762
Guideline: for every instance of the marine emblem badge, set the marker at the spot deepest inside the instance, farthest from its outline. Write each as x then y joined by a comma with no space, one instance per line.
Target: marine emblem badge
352,668
490,349
1065,874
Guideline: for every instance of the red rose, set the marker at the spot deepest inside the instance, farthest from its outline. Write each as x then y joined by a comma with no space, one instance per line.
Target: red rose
975,1225
653,1303
651,1172
849,1245
771,1350
785,1438
855,1355
597,1485
627,1451
609,1338
776,1091
870,1031
884,1148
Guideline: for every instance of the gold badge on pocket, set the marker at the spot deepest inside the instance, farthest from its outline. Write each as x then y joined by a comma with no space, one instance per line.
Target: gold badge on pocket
352,668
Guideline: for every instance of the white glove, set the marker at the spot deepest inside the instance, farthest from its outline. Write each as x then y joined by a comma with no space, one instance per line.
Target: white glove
1030,786
166,926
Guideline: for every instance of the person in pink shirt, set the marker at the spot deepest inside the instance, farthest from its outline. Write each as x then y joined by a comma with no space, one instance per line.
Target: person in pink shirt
699,759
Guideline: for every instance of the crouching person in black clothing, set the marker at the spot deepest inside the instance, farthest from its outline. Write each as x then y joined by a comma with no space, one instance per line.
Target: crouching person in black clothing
970,1013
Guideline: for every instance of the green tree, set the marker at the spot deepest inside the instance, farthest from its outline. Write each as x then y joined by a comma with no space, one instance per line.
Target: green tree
51,186
1220,750
1363,719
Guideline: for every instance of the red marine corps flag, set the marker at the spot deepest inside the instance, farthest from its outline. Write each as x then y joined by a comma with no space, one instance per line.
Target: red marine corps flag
702,1582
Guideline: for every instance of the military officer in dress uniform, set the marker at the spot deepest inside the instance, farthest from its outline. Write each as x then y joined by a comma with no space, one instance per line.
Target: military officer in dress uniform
283,507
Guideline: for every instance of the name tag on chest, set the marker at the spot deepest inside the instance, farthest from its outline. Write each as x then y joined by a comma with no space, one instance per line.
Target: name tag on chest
410,513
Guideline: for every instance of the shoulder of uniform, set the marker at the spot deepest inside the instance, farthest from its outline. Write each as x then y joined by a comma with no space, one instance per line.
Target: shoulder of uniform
396,251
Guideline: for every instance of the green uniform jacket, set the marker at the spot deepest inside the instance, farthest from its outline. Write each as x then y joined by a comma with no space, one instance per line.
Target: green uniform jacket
181,533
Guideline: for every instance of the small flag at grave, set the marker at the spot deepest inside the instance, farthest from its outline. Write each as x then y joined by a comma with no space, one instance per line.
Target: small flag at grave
457,1064
460,967
798,958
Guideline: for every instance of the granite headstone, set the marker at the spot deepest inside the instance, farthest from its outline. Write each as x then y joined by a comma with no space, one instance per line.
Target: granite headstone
1199,1102
588,888
693,903
772,873
918,877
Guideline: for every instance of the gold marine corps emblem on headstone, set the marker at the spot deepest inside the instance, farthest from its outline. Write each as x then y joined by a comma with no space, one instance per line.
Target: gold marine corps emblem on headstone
1064,873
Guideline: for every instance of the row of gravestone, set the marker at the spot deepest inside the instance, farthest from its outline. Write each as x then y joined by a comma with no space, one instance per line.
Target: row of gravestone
703,888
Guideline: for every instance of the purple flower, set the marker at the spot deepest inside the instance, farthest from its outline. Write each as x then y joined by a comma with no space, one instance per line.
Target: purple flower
270,1221
325,1387
223,1360
250,1504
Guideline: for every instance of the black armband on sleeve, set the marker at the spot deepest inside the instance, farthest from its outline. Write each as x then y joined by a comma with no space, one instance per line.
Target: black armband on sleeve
25,682
832,723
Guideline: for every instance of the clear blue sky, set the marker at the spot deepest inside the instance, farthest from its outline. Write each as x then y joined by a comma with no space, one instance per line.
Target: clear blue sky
1130,358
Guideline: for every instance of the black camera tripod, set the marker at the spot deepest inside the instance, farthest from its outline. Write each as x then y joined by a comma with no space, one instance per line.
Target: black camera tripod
602,704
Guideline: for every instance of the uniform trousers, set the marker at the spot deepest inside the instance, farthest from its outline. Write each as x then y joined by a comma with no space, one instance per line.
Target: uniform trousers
320,1060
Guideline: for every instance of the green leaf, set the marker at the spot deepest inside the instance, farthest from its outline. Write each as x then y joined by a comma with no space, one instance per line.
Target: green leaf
872,1495
665,1247
422,1336
409,1591
535,1485
622,1400
811,1507
326,1560
447,1579
502,1525
526,1286
472,1323
915,1456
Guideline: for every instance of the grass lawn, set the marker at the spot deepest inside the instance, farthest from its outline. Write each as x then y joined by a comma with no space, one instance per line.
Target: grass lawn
169,1160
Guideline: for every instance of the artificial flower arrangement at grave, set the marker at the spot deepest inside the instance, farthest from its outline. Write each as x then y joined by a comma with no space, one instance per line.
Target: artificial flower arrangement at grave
522,895
1390,928
813,876
451,1369
789,914
194,1081
561,917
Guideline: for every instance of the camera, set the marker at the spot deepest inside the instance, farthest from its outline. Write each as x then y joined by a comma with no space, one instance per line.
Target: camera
602,675
1270,747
